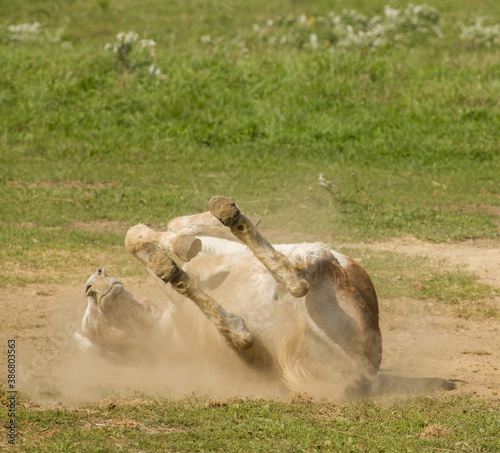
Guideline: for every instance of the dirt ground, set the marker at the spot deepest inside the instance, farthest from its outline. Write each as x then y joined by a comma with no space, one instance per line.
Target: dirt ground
425,345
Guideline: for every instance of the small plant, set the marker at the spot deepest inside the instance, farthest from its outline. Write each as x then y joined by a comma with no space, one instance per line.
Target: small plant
29,32
349,29
481,35
133,53
328,185
351,191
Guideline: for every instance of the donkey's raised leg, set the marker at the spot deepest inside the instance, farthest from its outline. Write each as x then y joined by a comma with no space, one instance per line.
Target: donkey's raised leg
144,244
333,300
286,271
229,324
201,225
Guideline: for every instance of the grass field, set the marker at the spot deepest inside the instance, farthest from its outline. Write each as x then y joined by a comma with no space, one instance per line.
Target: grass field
199,424
349,134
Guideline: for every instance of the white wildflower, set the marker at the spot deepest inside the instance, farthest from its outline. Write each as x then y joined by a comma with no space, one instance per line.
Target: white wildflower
206,39
130,55
391,13
127,38
322,181
25,29
58,35
314,40
154,71
32,33
353,29
147,43
480,34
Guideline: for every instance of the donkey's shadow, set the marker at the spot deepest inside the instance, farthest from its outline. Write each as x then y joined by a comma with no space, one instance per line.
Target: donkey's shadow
399,385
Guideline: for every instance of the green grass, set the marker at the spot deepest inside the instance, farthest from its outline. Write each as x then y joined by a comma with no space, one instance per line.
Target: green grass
397,275
454,287
210,424
408,137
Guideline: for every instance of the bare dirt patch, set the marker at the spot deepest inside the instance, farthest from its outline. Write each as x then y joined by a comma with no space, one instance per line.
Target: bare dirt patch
423,344
480,257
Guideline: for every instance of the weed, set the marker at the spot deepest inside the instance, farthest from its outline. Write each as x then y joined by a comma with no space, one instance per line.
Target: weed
132,54
349,29
29,33
481,35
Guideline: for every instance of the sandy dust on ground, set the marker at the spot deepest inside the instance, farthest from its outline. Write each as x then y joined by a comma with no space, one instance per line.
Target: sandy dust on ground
422,344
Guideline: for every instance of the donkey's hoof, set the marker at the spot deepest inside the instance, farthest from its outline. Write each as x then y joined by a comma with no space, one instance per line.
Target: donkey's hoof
163,266
299,288
187,247
224,209
243,341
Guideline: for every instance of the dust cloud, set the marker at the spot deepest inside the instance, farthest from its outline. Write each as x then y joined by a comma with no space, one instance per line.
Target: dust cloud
52,369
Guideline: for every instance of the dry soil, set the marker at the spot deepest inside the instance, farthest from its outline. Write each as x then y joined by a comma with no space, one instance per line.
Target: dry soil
424,344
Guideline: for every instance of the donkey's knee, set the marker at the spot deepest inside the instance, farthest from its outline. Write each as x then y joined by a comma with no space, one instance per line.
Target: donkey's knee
142,240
